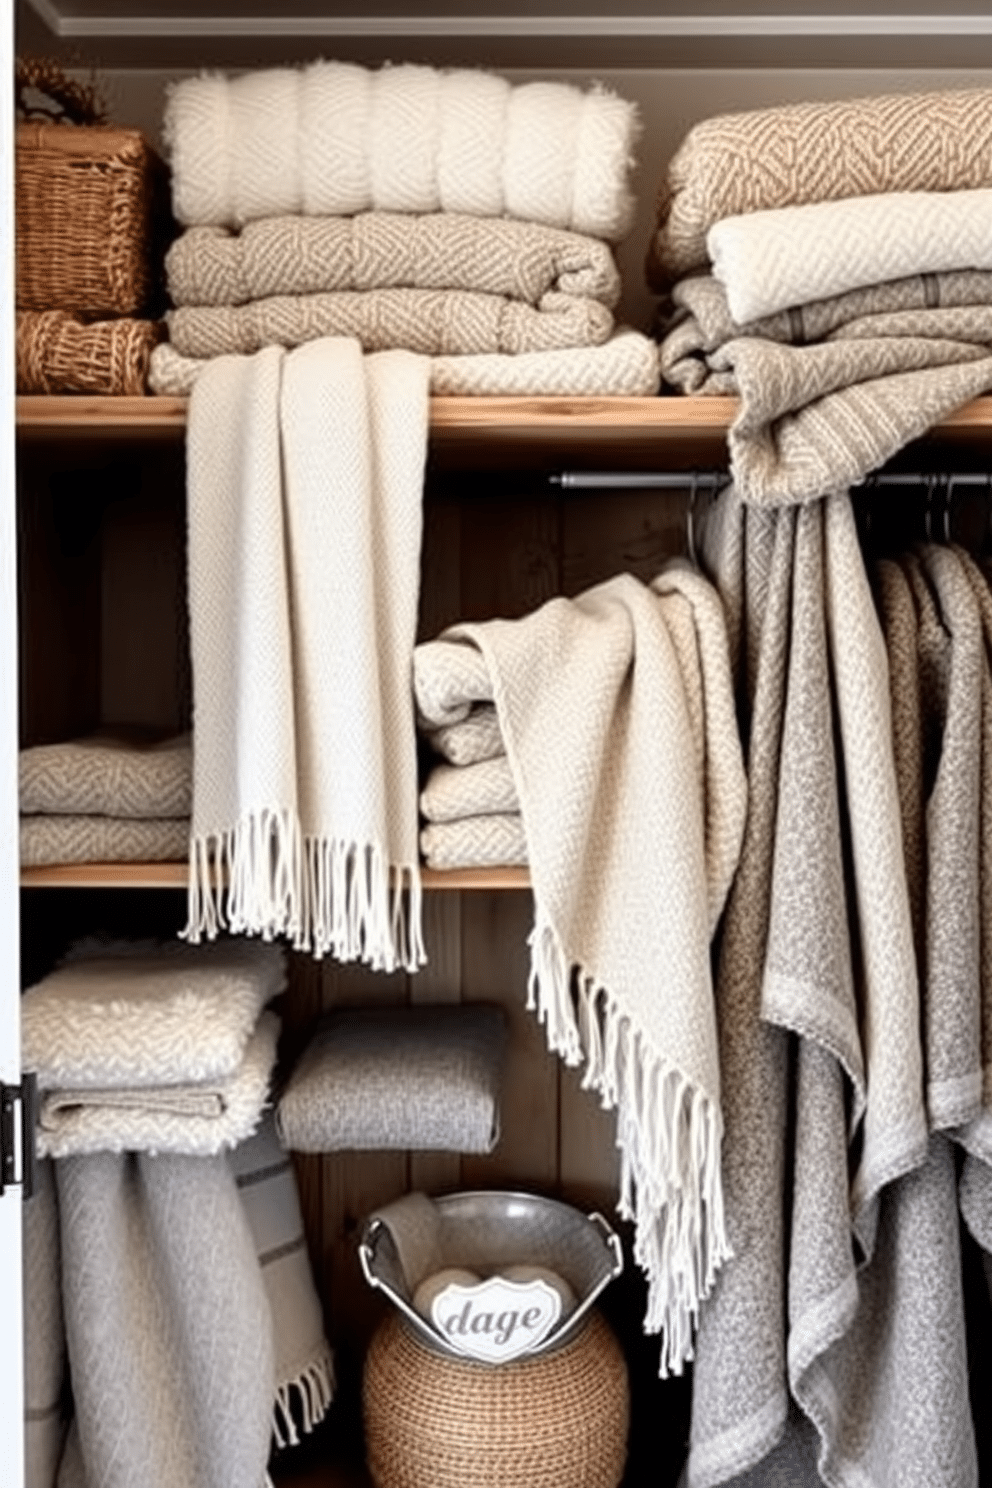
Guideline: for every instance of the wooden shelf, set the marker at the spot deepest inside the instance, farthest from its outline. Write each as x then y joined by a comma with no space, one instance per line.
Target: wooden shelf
174,876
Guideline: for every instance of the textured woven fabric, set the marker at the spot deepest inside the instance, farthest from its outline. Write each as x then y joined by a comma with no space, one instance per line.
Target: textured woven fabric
411,1078
818,418
305,775
102,839
475,738
433,322
195,1119
492,841
453,791
123,1014
333,138
107,775
812,152
381,250
768,261
45,1409
167,1322
801,1021
58,353
624,366
304,1364
592,708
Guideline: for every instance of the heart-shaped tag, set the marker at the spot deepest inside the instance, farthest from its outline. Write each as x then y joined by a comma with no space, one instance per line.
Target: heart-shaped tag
497,1319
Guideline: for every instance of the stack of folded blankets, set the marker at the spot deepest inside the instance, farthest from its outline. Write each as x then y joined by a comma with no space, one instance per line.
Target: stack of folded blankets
831,264
449,213
184,1272
469,801
108,797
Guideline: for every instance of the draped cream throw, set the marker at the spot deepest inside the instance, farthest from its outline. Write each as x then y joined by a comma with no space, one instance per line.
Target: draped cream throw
305,477
633,810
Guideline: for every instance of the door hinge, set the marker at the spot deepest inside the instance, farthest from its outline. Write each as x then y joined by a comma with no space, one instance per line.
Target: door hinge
18,1119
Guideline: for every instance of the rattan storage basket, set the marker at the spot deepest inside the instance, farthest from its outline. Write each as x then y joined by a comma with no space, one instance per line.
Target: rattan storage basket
86,199
553,1420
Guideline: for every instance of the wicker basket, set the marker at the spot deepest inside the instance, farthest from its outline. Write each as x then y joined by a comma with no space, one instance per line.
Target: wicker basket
554,1420
87,198
56,353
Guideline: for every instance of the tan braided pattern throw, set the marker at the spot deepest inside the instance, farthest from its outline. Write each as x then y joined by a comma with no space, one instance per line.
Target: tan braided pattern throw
813,152
382,250
453,791
433,322
496,840
626,365
304,485
107,775
74,838
333,139
58,353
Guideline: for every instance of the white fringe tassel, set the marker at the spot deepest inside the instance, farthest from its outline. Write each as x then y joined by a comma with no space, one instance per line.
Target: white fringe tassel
668,1132
315,1388
263,877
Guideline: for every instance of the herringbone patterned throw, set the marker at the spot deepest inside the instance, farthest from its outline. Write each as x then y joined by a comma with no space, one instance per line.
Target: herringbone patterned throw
632,825
813,152
433,322
102,839
388,250
305,481
107,775
333,139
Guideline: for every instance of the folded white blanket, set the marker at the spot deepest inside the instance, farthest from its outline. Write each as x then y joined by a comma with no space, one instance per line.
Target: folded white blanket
304,485
769,261
625,366
497,840
381,250
124,1014
334,138
198,1120
107,774
453,791
475,738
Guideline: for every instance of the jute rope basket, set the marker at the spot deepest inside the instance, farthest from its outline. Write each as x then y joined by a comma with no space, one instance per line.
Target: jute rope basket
56,353
555,1420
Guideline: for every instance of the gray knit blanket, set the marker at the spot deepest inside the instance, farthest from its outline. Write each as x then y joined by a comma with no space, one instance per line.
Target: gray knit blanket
632,802
844,1292
414,1078
745,162
167,1322
816,417
293,255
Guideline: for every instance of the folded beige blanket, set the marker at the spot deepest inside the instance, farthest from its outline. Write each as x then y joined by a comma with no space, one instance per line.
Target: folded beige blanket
388,250
108,774
812,152
197,1119
817,419
102,839
475,738
433,322
482,789
624,366
496,840
124,1014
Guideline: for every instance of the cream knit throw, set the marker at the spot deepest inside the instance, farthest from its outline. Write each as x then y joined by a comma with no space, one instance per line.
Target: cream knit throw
495,840
381,250
433,322
767,261
102,839
453,791
811,152
305,475
625,366
334,139
592,708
